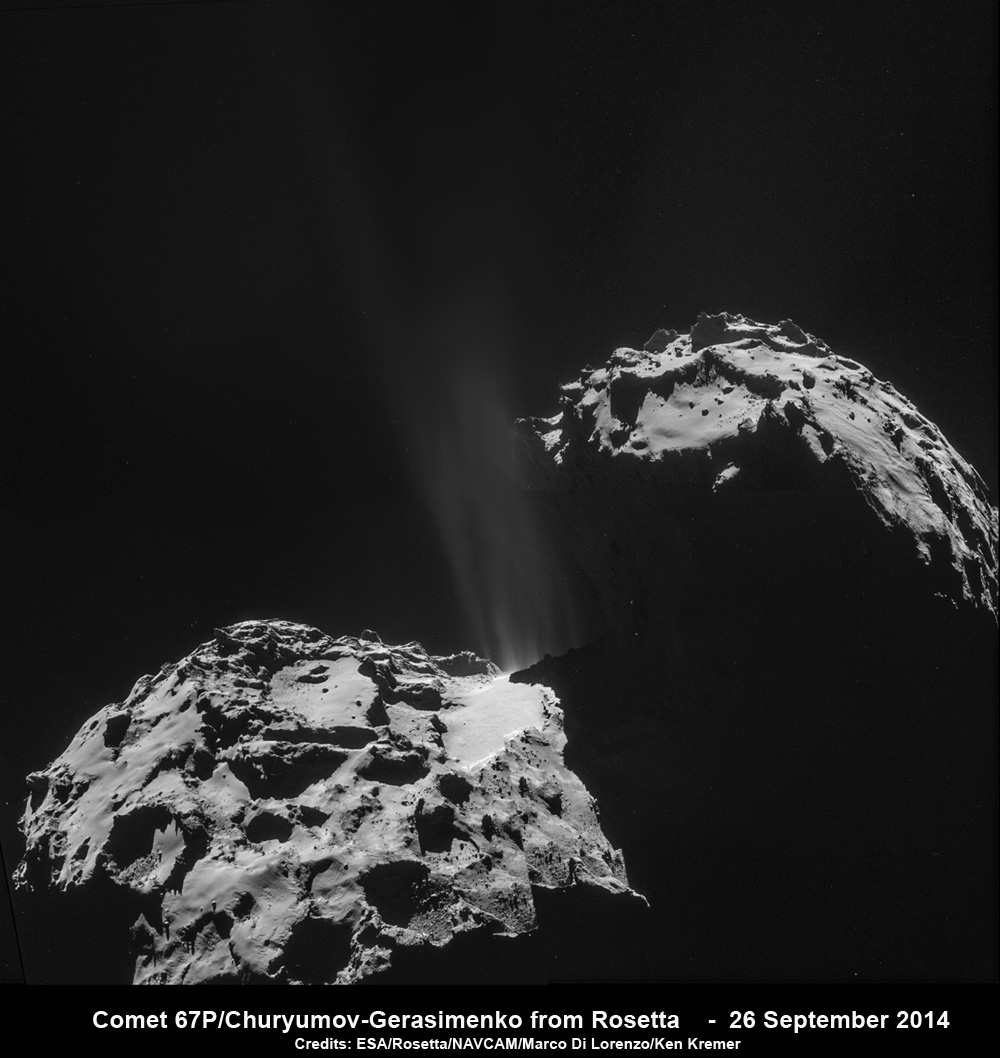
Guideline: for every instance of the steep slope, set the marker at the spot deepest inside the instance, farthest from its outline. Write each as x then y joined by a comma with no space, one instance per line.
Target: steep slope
282,807
742,407
789,724
790,721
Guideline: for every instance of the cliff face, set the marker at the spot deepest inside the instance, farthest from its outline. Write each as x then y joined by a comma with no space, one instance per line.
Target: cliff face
282,807
739,415
796,575
788,723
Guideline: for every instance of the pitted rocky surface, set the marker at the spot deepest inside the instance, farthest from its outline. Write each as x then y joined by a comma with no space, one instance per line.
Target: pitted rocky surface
786,714
294,808
743,406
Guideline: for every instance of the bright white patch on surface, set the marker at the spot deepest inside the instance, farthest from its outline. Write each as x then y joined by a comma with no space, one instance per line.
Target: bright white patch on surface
336,692
480,720
264,785
696,408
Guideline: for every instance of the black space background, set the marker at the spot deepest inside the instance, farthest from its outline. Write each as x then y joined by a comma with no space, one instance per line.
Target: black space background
225,227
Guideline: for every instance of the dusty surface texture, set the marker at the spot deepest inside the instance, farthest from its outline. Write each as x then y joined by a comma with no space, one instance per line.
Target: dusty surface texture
734,411
790,721
285,807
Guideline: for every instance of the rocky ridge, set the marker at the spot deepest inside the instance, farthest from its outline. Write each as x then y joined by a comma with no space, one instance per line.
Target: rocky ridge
789,719
289,808
740,406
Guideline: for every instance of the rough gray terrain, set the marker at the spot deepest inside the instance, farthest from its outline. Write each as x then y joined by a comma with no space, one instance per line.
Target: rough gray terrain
291,808
785,714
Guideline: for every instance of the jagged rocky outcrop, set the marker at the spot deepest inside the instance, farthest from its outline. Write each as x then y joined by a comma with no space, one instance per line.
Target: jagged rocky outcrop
750,409
788,721
283,807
